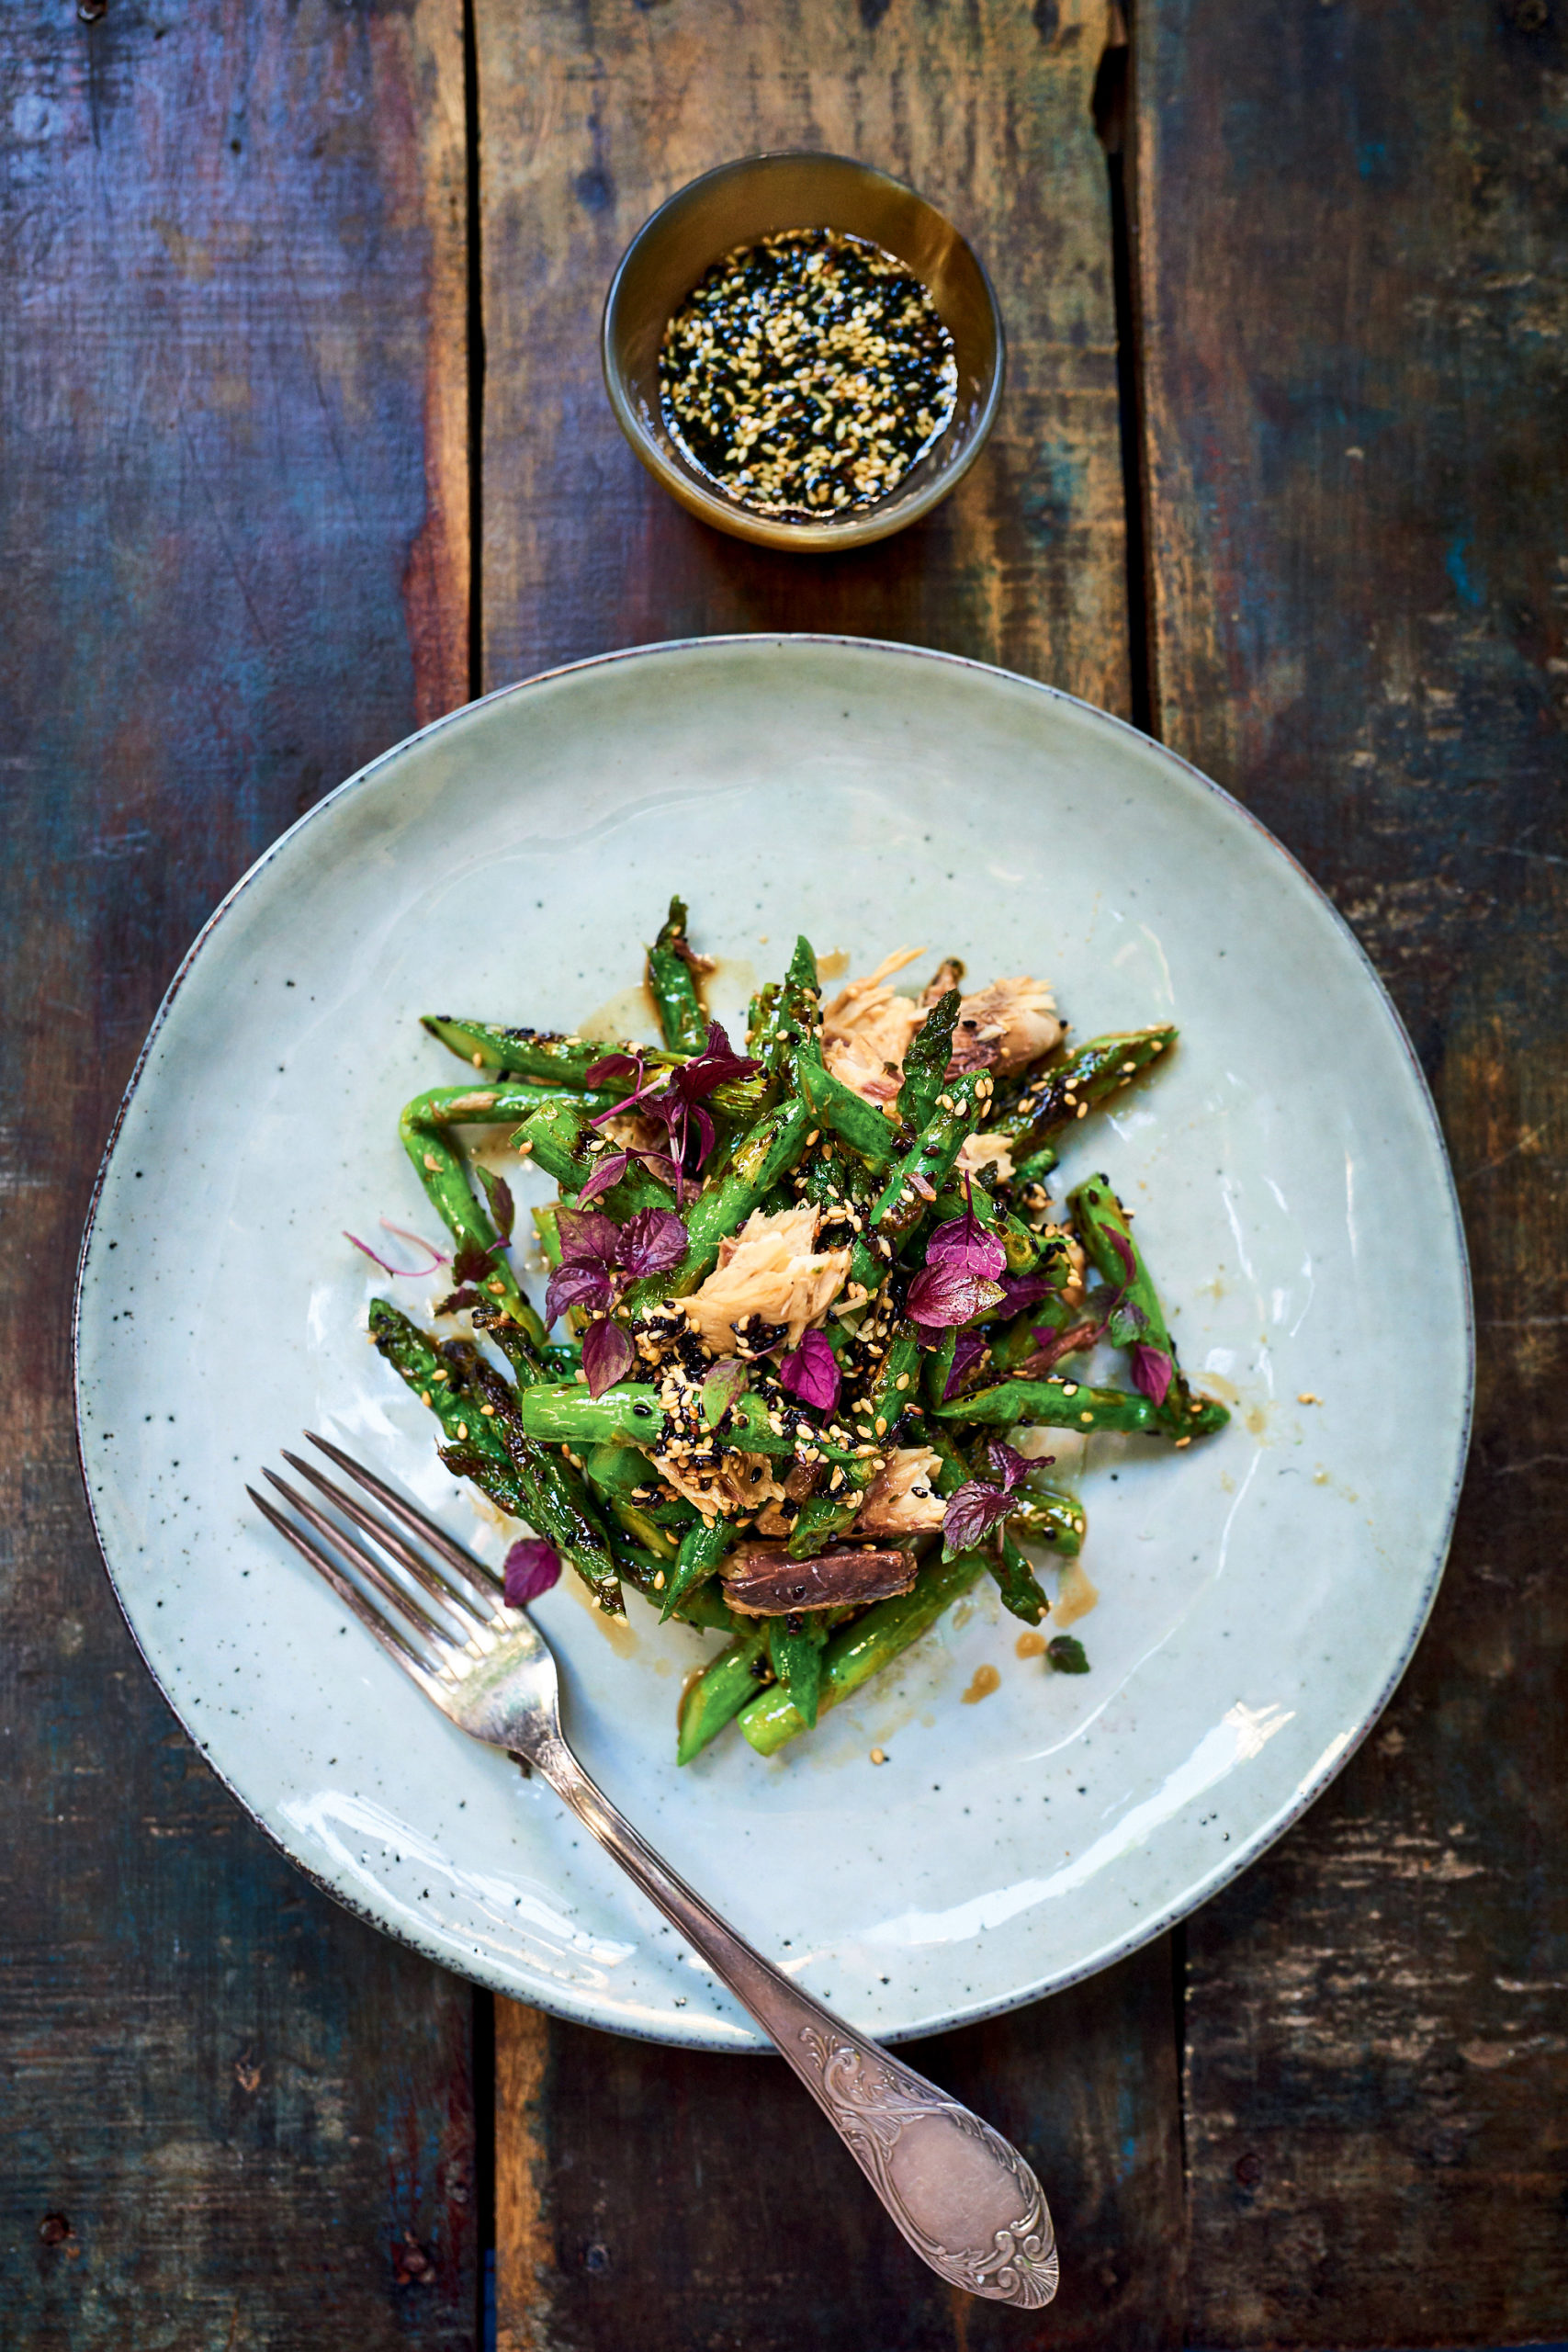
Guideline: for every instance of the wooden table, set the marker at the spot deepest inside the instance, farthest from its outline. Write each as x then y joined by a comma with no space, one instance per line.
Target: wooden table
303,444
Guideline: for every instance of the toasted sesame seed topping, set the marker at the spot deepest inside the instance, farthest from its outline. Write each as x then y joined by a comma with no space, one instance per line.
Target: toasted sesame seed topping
808,373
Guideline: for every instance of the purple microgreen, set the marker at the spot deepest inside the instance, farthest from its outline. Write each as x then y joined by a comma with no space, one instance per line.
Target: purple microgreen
811,1372
458,1301
435,1257
945,1294
587,1284
1020,1291
502,1207
606,1355
1151,1371
586,1236
968,1349
971,1513
606,1171
612,1068
532,1566
473,1265
717,1065
418,1239
651,1242
1006,1464
723,1383
964,1244
1124,1250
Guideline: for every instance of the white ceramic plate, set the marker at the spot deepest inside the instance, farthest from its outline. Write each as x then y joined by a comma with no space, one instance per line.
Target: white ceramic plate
1261,1594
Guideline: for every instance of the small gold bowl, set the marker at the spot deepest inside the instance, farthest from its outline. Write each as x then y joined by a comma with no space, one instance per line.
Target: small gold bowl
736,205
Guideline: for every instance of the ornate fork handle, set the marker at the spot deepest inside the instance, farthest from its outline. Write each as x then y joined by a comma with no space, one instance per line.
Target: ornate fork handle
963,2199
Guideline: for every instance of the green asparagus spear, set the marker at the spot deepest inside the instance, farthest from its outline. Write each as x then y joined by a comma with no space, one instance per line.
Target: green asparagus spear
915,1179
925,1063
1046,1516
673,985
834,1104
769,1151
562,1412
528,1053
442,1169
861,1650
444,1384
795,1649
1091,1075
1108,1238
783,1016
707,1607
557,1503
1052,1403
701,1548
1016,1582
721,1692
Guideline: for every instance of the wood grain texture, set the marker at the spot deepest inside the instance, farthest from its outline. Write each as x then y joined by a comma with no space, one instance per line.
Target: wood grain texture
650,2199
1353,310
232,538
590,116
661,2198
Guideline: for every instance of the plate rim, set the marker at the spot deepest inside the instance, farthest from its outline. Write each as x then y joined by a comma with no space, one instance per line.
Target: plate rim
557,2001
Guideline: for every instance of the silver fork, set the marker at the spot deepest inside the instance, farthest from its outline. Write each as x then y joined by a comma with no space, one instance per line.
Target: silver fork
963,2199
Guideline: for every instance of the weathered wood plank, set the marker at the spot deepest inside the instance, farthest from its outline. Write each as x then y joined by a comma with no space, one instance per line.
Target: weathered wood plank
652,2199
233,492
590,117
1352,309
660,2198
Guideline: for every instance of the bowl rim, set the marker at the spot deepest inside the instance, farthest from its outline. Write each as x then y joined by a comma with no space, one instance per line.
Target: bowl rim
728,514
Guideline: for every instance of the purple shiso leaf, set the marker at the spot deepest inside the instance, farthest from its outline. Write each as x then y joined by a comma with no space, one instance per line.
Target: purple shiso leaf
455,1303
606,1355
612,1067
587,1234
502,1207
1006,1464
532,1566
721,1387
1151,1371
716,1066
473,1265
606,1171
651,1242
1020,1291
812,1372
435,1257
970,1347
1124,1250
582,1285
971,1513
943,1295
965,1245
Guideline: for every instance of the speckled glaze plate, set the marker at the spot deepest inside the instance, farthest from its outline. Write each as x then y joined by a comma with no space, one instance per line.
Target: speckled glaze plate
1260,1594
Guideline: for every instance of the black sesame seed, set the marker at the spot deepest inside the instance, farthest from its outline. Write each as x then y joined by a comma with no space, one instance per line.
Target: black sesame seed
808,373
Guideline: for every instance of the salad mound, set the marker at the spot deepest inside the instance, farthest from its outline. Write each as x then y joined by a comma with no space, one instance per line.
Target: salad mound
801,1301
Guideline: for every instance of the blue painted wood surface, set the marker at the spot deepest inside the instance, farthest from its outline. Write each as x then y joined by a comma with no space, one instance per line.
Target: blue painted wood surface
1354,313
234,2114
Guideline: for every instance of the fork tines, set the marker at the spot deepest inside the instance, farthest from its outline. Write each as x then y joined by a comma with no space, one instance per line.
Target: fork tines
454,1612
